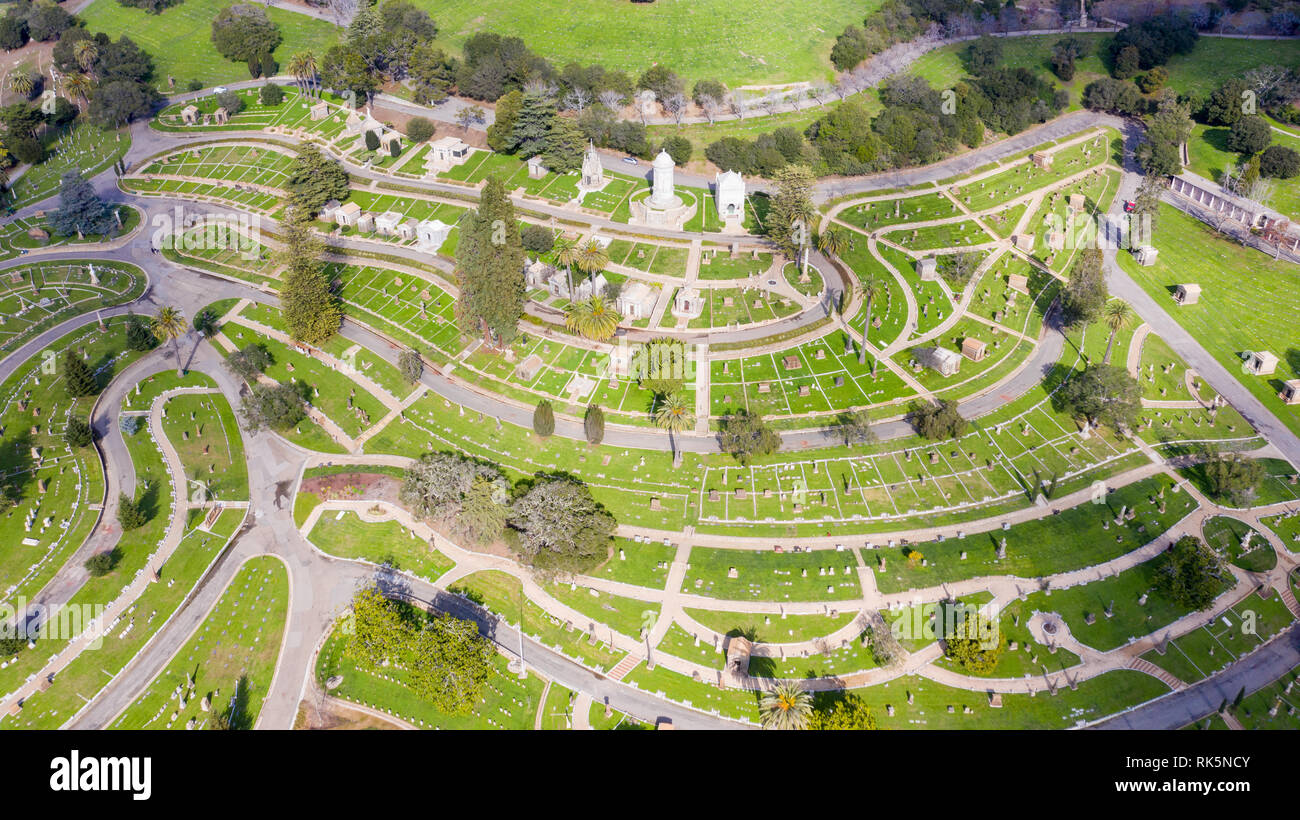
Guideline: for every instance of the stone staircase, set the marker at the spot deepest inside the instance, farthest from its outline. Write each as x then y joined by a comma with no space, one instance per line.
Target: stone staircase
1288,598
620,670
1154,671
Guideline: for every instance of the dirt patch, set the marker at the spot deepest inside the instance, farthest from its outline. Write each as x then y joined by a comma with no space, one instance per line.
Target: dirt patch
354,487
332,715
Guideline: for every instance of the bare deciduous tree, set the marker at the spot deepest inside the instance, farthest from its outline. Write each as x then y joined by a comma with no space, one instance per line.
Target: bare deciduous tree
737,103
542,88
645,101
710,105
612,100
577,99
341,11
675,106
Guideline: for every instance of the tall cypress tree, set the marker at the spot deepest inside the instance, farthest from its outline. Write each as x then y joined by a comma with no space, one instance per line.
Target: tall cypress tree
528,137
490,257
77,376
310,310
544,419
593,424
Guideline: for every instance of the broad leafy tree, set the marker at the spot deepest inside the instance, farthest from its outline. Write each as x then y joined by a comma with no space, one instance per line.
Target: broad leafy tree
1104,394
561,528
747,435
1190,573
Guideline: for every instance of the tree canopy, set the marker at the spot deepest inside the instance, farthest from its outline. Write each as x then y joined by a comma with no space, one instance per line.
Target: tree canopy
560,527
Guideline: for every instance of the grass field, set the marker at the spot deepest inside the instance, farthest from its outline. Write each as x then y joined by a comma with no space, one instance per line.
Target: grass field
344,534
777,41
1210,157
230,658
1236,281
84,148
180,38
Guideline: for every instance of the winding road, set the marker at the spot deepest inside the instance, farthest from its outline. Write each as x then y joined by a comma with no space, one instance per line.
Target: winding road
321,586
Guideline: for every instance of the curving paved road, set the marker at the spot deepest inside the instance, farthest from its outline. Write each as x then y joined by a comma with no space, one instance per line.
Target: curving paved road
322,586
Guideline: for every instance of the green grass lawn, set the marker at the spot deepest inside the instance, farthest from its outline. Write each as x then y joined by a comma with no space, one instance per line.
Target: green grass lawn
80,680
1212,62
1225,535
777,41
1075,538
231,657
771,627
1272,707
203,429
1210,157
387,542
79,147
645,565
1219,643
62,290
503,594
1235,281
180,38
821,575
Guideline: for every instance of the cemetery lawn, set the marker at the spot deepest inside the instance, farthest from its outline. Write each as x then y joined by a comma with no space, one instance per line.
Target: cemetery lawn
33,409
936,706
81,679
501,594
644,565
233,670
1257,710
66,291
203,430
782,629
345,535
820,575
1204,651
779,41
616,720
151,387
180,38
1235,281
1287,527
508,702
81,147
1224,534
1078,537
557,709
340,398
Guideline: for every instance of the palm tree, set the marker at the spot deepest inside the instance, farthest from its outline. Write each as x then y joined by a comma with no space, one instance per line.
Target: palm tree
168,323
832,241
21,83
594,318
303,68
592,257
801,217
85,52
78,85
870,290
567,255
674,414
1117,317
788,706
